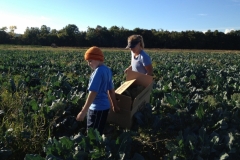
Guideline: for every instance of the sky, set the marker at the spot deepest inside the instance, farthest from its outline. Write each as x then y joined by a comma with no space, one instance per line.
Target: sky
170,15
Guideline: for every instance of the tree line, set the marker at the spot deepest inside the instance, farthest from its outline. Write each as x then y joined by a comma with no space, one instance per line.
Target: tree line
117,37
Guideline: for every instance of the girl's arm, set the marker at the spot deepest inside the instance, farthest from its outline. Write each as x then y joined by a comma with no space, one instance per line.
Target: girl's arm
149,69
129,68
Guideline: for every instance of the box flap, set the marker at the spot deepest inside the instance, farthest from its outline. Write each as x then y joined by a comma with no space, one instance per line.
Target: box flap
124,86
141,79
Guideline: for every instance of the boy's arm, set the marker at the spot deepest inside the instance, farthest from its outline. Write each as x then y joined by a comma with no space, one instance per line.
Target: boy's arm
91,96
113,101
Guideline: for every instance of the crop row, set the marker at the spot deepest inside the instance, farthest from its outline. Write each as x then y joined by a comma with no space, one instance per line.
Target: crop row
194,110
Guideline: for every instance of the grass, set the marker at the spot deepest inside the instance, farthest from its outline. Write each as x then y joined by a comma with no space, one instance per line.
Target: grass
38,47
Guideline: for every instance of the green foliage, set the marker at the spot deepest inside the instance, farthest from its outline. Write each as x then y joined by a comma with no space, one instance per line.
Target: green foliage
193,112
92,146
33,157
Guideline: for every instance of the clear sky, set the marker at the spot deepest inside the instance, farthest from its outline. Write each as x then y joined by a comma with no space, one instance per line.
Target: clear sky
171,15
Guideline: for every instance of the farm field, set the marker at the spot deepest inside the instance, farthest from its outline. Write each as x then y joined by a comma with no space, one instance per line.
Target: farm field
194,109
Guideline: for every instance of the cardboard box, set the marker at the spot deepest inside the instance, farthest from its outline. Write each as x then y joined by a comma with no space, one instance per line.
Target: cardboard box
129,106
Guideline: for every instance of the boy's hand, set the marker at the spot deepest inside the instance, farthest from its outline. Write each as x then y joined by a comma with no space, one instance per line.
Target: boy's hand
81,115
116,109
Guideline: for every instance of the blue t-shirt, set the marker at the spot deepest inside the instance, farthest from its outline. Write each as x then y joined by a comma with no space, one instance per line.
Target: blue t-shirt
100,82
139,62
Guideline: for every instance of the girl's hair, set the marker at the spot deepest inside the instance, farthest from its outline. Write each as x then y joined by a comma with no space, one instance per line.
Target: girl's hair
137,37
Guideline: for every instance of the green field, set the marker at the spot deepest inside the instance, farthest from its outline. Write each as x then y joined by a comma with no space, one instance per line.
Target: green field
194,109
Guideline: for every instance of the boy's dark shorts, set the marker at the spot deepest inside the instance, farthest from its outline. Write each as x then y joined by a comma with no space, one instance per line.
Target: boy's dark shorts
97,119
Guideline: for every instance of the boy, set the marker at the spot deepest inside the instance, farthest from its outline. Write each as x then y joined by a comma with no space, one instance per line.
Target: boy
101,92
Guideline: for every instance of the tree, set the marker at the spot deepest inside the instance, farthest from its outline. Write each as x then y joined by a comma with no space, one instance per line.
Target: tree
3,28
115,34
233,39
12,29
163,39
30,36
99,36
68,34
53,37
44,35
91,37
81,39
4,37
44,30
148,37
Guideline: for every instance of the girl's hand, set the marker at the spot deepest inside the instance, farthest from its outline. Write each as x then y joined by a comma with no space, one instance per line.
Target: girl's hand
125,71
